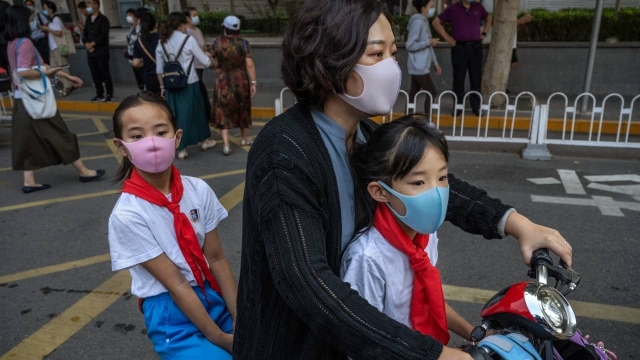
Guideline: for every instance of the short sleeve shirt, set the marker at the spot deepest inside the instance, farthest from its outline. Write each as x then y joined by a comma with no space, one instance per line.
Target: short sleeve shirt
57,25
465,22
382,274
23,60
140,231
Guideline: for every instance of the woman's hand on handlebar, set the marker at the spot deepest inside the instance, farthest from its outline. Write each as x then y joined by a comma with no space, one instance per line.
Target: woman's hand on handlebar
532,236
454,354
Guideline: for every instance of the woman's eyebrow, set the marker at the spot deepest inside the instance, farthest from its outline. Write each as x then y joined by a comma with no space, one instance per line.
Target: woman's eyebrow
379,42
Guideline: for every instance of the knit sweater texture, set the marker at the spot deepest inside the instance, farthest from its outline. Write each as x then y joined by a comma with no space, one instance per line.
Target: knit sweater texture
291,301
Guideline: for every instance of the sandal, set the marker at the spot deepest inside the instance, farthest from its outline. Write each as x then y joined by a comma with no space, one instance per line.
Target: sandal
182,154
30,189
246,142
226,150
207,144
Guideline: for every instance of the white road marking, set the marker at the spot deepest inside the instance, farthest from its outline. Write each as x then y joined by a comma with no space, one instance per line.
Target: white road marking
571,182
545,181
606,178
605,204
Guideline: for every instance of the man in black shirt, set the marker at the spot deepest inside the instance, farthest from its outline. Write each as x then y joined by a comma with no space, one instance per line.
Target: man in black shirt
95,37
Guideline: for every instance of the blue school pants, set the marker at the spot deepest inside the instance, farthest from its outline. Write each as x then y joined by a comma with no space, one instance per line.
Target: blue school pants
175,337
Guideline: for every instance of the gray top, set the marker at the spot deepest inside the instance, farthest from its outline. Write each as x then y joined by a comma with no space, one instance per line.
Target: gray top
421,54
333,137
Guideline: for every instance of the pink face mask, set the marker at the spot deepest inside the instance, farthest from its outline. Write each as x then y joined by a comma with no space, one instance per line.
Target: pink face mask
152,154
381,86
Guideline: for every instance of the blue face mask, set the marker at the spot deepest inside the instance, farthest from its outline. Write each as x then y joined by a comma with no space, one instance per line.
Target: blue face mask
431,12
425,212
45,12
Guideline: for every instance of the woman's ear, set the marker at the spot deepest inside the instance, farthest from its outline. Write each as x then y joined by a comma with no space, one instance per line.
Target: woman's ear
377,192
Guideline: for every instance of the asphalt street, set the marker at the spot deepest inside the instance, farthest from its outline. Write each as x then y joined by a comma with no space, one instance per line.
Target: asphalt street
60,300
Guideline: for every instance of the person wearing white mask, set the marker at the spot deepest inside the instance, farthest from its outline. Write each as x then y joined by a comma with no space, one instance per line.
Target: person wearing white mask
132,38
300,205
422,57
193,20
38,35
95,38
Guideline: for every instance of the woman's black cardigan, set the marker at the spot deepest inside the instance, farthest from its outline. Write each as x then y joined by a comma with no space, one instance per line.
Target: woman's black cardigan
291,301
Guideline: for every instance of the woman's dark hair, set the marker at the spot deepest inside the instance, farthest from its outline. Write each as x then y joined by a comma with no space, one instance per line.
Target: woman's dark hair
18,22
322,43
51,5
147,24
3,15
143,97
82,5
139,11
187,11
419,4
391,152
231,31
131,11
175,20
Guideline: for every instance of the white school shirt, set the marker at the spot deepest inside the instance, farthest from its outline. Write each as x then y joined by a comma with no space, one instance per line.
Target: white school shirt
382,274
140,231
190,50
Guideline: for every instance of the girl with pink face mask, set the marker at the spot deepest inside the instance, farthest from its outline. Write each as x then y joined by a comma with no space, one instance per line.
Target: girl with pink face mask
163,229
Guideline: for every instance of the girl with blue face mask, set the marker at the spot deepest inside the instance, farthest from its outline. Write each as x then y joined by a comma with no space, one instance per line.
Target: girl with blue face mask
402,191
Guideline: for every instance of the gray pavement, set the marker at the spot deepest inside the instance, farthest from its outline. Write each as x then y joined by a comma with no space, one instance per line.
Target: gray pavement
53,310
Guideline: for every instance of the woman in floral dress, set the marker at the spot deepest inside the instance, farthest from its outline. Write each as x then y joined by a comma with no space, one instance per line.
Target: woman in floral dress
235,83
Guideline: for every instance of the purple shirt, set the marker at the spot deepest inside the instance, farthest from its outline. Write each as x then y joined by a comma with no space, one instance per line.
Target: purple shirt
465,23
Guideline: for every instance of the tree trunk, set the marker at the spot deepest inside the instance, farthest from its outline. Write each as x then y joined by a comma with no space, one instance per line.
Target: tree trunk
496,69
618,3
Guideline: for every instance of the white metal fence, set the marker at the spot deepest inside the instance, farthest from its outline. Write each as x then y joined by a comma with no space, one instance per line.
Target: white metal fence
516,122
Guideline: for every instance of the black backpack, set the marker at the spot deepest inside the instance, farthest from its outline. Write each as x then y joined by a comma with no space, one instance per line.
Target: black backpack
173,75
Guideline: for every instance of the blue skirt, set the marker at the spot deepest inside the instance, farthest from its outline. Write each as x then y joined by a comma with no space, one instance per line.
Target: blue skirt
175,337
188,107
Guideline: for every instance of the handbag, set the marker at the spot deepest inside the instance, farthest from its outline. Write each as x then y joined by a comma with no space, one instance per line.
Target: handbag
66,45
37,94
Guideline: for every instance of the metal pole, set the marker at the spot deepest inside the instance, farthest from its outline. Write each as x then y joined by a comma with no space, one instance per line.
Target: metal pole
592,51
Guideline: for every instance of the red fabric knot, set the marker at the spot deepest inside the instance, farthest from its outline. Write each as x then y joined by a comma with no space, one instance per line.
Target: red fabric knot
420,261
186,236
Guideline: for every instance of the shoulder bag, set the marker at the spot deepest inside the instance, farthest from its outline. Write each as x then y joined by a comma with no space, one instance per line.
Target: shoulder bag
37,94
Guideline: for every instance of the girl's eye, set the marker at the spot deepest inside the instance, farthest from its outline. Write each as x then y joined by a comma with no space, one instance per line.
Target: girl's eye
162,133
378,54
418,183
137,137
443,178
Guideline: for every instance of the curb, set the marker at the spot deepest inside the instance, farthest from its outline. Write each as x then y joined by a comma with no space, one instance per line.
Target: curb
495,122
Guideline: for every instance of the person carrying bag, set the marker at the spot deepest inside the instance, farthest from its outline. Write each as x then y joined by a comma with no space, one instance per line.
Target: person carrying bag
37,94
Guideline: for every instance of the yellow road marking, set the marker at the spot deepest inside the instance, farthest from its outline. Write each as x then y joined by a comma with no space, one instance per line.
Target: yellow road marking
54,268
581,308
92,143
99,124
98,194
60,329
91,133
258,123
234,140
57,331
114,150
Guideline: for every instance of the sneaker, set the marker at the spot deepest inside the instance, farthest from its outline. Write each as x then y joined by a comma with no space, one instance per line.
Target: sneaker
108,98
207,144
182,154
226,150
97,98
246,142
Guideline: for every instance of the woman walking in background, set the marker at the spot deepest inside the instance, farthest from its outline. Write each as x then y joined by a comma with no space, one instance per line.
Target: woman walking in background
421,58
186,102
235,83
144,52
192,30
54,30
36,144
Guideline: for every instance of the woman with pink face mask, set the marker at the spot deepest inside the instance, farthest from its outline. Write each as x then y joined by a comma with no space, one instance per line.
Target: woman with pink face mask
164,230
338,58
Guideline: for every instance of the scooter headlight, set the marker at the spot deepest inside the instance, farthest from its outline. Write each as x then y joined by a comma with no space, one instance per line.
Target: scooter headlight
551,310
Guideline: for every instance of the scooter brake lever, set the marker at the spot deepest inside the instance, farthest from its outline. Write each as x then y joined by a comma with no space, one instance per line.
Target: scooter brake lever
565,276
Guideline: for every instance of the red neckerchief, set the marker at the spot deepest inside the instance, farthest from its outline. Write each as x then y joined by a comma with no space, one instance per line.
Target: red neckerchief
187,240
428,314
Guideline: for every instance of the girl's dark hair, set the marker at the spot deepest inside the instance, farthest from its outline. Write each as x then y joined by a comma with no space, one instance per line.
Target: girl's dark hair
187,11
18,22
175,20
391,152
147,24
3,15
51,5
322,43
143,97
419,4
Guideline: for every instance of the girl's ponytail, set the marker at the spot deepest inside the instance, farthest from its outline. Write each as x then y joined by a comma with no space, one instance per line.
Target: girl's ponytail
175,20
